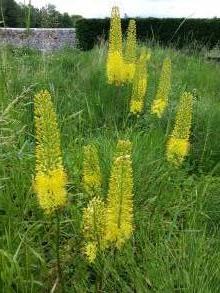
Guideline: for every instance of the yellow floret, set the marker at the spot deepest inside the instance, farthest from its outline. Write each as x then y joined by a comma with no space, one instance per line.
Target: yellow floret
130,52
128,71
161,100
178,144
139,85
183,116
159,107
92,180
123,148
115,68
91,251
94,227
50,189
136,107
177,150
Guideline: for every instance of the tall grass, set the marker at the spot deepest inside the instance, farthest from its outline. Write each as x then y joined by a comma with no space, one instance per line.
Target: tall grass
175,246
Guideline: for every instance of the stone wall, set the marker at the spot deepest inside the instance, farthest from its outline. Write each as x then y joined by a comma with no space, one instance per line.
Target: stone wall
41,39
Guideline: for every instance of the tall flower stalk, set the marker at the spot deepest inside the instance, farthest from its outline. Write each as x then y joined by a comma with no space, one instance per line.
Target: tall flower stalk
94,228
92,179
94,213
111,223
178,144
161,100
115,55
130,52
119,209
50,178
139,86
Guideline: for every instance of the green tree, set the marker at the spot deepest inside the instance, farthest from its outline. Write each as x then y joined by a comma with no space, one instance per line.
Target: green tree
66,21
10,13
49,16
21,15
75,18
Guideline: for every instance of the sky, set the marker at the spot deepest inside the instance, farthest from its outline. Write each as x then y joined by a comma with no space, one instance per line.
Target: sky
145,8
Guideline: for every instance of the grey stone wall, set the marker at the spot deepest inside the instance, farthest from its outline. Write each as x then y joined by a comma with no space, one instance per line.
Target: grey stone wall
41,39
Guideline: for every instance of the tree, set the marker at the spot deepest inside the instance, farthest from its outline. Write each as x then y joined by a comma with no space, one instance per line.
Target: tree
66,21
49,16
21,15
75,18
10,13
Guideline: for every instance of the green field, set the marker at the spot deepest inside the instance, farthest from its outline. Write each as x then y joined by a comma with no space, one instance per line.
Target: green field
175,246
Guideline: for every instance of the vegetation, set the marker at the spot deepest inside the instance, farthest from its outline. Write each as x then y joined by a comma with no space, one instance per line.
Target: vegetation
175,245
21,15
95,197
177,32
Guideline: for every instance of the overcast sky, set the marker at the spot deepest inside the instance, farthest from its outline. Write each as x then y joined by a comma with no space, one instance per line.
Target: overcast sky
158,8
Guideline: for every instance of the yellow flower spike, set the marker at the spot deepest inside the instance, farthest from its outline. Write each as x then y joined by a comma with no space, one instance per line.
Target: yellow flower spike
158,107
115,55
139,84
119,210
130,52
115,68
90,251
177,150
123,148
145,56
92,179
50,188
131,43
178,144
50,178
94,228
184,116
161,100
115,37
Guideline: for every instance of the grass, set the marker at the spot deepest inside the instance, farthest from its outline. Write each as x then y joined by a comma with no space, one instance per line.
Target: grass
175,246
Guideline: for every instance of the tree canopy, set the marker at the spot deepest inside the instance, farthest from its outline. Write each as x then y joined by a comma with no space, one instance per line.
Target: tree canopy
13,14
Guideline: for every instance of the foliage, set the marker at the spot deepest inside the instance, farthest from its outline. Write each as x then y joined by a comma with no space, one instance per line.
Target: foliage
165,31
9,10
175,241
15,15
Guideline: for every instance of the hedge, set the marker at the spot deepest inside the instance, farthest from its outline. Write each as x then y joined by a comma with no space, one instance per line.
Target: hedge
166,31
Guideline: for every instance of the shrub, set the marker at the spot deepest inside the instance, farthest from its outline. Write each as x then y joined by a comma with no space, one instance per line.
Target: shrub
166,31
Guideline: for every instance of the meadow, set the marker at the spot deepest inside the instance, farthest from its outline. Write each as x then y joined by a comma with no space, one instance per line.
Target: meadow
175,243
